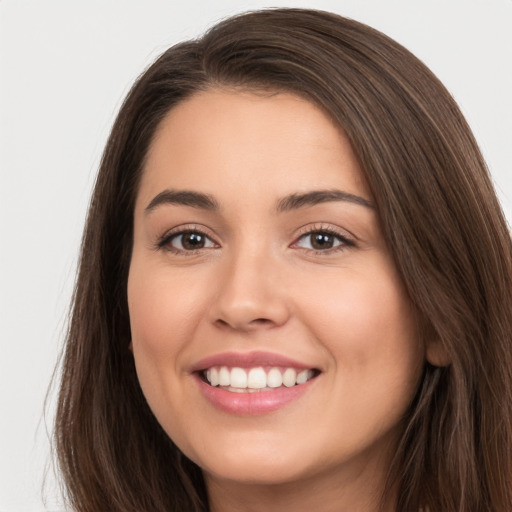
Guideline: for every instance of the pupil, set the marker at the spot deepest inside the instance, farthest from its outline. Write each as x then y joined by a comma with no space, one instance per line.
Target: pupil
193,241
322,241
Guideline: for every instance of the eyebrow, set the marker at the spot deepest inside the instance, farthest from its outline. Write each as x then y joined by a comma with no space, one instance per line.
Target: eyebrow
184,198
288,203
296,201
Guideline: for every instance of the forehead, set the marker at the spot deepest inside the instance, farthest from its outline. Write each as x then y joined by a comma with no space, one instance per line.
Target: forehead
240,143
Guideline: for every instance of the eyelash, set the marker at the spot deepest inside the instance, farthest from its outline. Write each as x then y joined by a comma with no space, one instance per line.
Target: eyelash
345,242
165,241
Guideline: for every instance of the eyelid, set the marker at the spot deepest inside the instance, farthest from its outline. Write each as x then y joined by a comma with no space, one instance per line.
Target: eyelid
347,239
168,235
325,226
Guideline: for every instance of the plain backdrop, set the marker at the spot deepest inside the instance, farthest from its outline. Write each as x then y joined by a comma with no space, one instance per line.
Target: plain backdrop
64,69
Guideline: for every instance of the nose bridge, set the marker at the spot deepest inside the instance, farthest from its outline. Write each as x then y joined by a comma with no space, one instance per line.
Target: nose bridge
249,294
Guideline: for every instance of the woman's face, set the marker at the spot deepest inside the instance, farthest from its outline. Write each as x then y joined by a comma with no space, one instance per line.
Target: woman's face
258,263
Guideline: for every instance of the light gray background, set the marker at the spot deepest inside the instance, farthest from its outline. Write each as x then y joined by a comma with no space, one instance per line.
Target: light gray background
64,68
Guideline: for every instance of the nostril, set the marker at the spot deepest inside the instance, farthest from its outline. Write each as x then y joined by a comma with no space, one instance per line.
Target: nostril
245,326
260,323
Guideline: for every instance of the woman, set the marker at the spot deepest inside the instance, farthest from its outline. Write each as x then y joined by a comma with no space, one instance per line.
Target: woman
294,288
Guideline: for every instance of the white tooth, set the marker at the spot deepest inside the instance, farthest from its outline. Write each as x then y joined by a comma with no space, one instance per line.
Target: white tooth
214,377
209,375
257,378
237,390
238,378
289,377
224,378
302,377
274,378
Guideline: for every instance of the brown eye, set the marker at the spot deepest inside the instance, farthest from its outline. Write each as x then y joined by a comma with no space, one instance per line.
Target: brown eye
322,241
188,241
191,241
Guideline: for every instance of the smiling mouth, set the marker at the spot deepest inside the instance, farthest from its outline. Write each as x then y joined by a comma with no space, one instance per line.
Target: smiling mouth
250,380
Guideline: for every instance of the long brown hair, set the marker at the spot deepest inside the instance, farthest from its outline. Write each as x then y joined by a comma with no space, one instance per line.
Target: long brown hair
443,225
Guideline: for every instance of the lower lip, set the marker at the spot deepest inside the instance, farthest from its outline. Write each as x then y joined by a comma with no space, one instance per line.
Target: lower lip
246,403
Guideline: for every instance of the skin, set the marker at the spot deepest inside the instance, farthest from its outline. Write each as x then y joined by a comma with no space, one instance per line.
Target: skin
258,284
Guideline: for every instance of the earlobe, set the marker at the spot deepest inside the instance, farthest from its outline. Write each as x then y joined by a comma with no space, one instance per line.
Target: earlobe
436,353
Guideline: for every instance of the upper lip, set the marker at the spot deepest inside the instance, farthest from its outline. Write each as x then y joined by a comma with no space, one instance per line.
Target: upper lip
248,360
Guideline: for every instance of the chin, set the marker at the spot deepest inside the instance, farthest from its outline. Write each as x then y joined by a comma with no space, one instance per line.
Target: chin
257,466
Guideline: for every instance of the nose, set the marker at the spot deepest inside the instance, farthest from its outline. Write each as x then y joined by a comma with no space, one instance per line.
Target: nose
251,295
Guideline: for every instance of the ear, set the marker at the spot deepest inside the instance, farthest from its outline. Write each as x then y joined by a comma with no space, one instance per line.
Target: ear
436,352
130,346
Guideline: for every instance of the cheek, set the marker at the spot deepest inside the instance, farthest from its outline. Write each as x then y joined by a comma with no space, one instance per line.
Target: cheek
363,310
369,329
162,321
368,325
163,311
